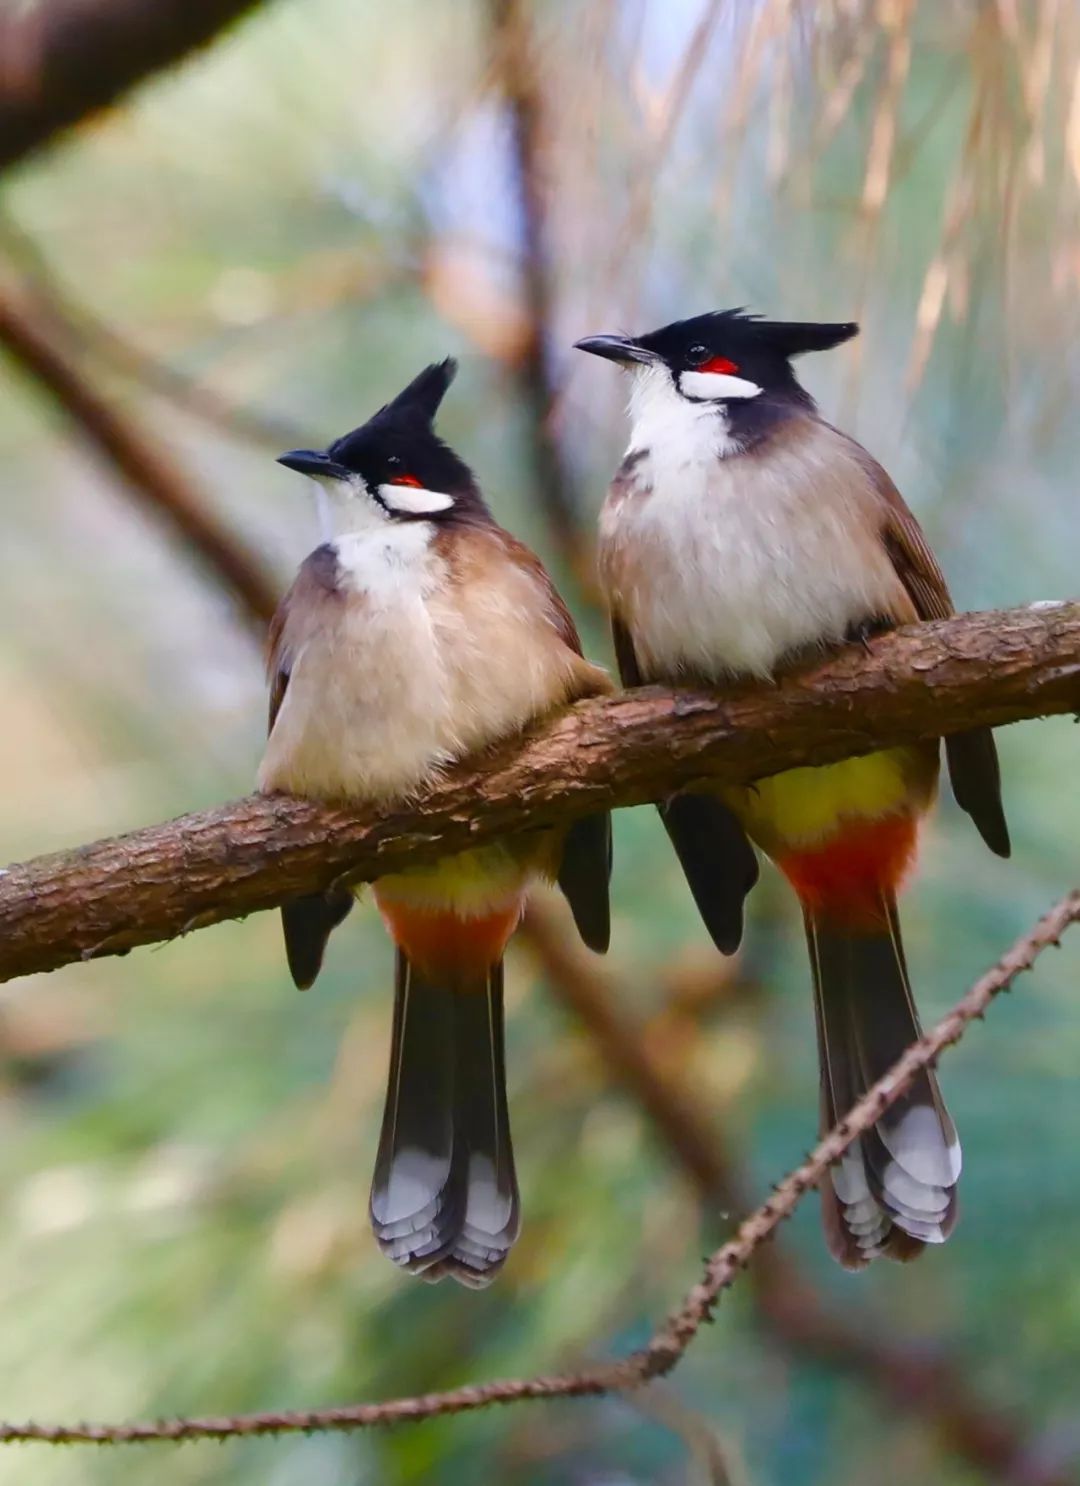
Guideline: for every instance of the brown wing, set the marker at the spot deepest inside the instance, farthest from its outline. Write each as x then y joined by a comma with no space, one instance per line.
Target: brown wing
557,612
307,922
277,668
584,872
625,656
972,757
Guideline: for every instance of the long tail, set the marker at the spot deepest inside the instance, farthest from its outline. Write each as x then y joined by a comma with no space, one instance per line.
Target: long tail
444,1198
894,1190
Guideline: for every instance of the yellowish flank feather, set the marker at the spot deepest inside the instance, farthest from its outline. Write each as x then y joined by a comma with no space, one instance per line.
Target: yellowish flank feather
804,805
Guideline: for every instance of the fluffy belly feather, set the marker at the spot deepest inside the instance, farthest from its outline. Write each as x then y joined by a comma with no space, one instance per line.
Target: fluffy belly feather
725,566
716,589
366,713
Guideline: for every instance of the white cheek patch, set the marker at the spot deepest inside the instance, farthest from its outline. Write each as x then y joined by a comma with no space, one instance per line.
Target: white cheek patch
716,385
414,500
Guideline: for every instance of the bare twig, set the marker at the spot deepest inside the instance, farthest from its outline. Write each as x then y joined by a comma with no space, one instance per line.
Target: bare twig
139,461
65,60
933,1390
924,681
670,1341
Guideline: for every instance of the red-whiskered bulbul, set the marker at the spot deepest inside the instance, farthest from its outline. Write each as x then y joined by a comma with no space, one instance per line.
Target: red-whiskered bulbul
741,533
420,632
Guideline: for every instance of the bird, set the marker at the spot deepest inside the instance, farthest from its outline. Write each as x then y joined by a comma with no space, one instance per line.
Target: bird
419,632
742,534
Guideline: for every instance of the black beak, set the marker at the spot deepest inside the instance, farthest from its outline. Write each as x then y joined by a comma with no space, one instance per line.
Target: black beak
615,348
312,462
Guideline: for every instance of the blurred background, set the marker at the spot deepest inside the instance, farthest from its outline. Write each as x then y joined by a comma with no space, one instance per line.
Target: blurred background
255,249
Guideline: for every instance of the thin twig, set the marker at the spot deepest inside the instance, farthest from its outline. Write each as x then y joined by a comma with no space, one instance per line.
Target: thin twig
933,1390
670,1341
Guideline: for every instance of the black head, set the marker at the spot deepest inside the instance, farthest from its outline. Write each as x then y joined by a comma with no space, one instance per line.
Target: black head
725,356
396,459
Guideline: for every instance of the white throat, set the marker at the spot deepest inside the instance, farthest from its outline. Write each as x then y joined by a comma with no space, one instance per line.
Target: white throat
344,508
672,428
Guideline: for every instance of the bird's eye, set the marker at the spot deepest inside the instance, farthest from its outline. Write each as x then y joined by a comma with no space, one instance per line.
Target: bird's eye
393,461
697,354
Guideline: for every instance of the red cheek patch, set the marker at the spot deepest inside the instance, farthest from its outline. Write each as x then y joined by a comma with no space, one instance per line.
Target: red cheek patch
406,480
718,364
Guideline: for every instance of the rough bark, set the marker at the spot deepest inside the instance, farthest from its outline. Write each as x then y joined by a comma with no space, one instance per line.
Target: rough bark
66,59
153,884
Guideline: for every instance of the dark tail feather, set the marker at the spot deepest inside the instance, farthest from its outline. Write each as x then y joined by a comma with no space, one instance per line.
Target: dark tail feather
308,923
718,862
894,1190
444,1197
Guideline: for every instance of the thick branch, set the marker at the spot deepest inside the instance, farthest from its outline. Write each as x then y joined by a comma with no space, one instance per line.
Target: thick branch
66,59
108,897
669,1342
140,463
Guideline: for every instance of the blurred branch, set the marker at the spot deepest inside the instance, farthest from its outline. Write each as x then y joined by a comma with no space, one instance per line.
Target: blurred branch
669,1342
63,60
517,70
923,681
583,988
667,114
931,1389
76,323
141,464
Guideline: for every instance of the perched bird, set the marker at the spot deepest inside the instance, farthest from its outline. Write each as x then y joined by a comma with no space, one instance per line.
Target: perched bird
421,631
741,533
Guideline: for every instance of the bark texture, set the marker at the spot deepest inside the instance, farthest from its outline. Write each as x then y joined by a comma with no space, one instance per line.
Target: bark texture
156,883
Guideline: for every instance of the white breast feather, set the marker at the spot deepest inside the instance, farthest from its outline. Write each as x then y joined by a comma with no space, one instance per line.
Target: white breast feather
736,559
365,711
409,672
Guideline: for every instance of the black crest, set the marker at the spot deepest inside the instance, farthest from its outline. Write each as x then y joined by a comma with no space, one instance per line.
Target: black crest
398,445
796,337
425,392
741,336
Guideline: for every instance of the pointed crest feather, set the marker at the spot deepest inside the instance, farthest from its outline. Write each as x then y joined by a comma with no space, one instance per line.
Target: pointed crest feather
795,337
426,391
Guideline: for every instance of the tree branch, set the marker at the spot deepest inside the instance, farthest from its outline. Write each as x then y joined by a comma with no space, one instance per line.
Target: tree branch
66,59
140,463
669,1342
926,680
